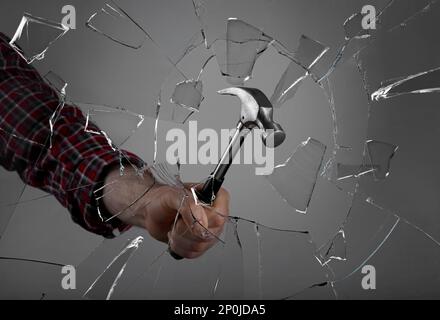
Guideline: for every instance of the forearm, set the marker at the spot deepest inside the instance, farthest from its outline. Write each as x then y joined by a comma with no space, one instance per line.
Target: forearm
125,197
73,167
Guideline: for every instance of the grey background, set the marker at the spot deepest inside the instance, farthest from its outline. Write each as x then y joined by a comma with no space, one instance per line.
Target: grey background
102,72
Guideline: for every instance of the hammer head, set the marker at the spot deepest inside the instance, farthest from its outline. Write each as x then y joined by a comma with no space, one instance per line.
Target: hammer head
257,111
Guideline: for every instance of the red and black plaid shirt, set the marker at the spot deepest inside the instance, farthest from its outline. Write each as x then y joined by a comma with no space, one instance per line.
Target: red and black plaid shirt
76,158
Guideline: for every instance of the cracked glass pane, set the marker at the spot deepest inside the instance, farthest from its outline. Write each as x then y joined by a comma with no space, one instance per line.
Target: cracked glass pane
367,205
35,35
295,179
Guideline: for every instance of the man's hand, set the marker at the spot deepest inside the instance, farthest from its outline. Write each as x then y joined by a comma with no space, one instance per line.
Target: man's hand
190,235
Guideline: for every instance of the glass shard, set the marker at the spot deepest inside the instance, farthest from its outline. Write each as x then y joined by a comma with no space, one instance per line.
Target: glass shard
345,171
244,43
295,179
181,93
117,26
380,153
104,286
423,82
188,94
35,35
56,82
200,11
309,51
336,249
181,115
353,27
117,124
307,54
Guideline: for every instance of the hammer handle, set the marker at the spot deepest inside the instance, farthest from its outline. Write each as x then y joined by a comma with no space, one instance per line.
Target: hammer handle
206,195
209,190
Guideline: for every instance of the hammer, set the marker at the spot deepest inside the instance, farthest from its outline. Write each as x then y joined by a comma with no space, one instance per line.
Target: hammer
256,112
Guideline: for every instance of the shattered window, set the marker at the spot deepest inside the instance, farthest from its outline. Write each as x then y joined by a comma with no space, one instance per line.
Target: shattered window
347,104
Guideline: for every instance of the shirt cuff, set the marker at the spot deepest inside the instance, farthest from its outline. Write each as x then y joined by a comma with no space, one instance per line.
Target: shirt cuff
86,188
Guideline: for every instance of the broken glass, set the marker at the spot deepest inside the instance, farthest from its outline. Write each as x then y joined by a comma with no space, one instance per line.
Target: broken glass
57,83
365,230
396,121
305,57
399,14
35,35
345,171
117,26
153,18
319,291
353,27
334,250
181,93
295,179
36,277
12,187
397,278
188,94
380,153
277,274
244,43
423,82
230,278
117,124
345,228
376,162
104,286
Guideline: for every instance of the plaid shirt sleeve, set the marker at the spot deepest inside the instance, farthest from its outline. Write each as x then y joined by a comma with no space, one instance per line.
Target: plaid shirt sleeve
73,167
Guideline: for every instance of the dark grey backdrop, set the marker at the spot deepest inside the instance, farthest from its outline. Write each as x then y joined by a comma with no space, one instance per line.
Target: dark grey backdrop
102,72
